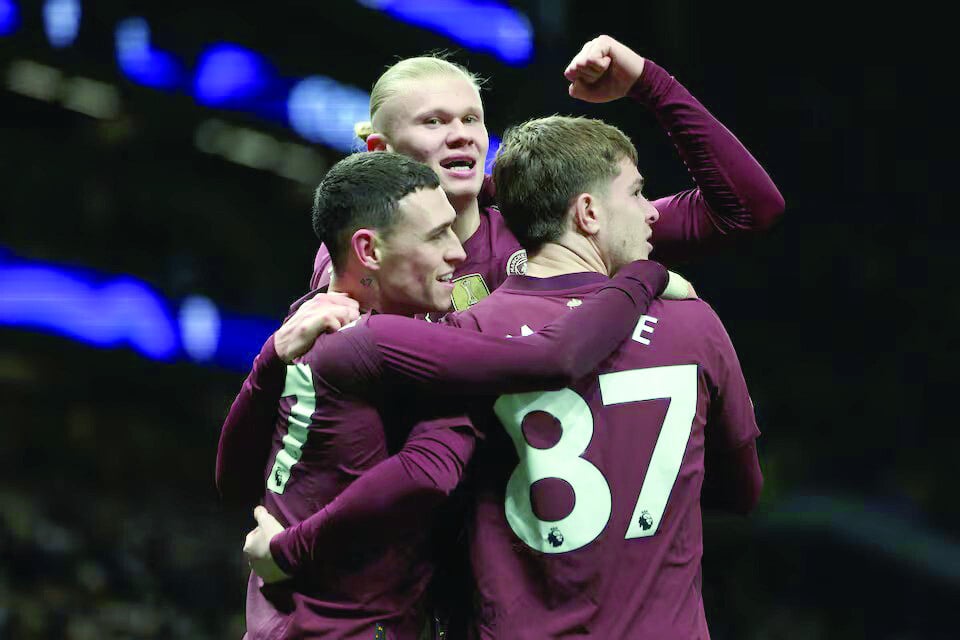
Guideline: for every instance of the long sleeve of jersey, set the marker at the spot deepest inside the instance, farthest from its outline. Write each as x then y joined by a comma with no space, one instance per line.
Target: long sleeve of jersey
245,437
471,363
732,479
397,350
409,485
397,494
733,194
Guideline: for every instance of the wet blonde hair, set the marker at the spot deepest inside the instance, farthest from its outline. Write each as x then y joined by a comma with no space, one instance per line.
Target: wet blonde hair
389,84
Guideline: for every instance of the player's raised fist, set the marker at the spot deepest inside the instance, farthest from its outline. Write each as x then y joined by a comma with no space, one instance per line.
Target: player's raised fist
604,70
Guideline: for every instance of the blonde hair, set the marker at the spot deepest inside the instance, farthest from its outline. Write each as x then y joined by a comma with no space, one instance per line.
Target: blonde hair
389,84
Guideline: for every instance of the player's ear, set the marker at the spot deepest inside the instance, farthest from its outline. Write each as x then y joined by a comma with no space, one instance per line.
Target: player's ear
585,210
377,142
364,244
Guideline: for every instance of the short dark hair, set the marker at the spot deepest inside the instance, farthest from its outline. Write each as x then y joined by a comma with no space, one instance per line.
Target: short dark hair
362,191
544,163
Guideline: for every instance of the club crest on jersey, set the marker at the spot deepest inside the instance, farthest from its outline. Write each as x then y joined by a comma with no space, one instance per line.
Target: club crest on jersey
380,633
646,520
468,291
517,263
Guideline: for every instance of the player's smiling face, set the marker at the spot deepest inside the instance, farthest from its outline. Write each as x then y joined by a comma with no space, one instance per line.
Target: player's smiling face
439,121
419,255
629,216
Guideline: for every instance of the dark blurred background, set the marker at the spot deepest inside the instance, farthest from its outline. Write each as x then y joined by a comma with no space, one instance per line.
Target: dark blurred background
114,173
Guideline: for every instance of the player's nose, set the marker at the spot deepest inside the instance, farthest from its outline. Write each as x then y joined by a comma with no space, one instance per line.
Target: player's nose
458,134
456,255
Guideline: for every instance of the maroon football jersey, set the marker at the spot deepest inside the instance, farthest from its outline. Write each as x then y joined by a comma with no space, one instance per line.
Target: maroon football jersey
344,405
326,437
587,507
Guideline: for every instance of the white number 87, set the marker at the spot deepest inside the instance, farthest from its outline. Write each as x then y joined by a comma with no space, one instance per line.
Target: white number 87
592,504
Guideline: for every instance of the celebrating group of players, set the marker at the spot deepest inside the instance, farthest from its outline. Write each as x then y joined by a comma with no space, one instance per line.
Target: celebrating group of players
533,464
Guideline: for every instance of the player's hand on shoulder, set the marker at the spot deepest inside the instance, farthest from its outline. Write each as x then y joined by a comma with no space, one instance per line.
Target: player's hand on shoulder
324,313
257,547
604,70
678,288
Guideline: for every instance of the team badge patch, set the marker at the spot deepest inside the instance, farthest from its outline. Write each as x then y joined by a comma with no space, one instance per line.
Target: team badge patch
517,263
468,291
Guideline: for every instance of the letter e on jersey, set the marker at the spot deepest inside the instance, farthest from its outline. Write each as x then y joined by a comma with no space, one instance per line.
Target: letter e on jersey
644,326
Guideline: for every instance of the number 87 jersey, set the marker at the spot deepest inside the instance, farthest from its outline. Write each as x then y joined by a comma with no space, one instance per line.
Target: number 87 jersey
586,518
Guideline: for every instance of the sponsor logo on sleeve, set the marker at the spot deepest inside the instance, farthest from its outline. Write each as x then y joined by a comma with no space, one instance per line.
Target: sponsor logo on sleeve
517,263
468,291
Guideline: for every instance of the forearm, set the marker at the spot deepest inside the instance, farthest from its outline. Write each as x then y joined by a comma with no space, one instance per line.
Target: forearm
402,491
734,192
246,433
447,360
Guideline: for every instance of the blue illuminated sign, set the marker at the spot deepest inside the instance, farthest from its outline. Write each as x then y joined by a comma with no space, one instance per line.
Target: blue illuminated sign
141,62
229,76
481,25
322,110
121,311
9,17
61,21
491,154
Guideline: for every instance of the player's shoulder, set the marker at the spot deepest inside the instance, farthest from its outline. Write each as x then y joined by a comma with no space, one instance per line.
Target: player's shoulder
695,316
342,343
493,214
505,244
476,316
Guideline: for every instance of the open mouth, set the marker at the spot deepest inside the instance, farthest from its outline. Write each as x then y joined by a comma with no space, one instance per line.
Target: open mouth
446,278
459,165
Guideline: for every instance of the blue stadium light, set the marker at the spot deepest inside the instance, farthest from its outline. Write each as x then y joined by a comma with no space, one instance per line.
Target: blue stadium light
230,76
480,25
108,311
9,17
323,110
143,64
61,21
199,322
68,302
241,338
491,153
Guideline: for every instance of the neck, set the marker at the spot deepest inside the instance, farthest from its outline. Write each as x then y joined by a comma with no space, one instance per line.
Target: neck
363,289
570,254
468,219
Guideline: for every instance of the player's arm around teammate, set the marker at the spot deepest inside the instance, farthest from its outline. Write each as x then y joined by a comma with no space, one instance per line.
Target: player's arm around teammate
408,350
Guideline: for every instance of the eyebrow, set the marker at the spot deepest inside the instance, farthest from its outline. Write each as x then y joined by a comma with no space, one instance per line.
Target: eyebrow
435,111
443,111
439,228
638,183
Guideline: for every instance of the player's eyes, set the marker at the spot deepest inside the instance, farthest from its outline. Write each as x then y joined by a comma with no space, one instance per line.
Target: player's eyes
432,121
471,119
